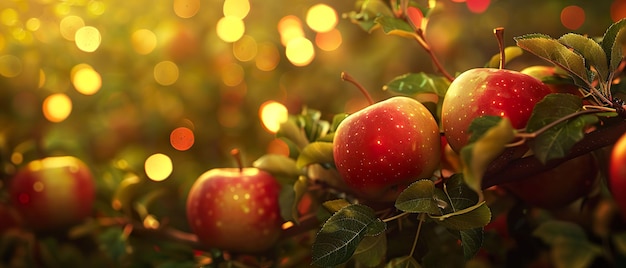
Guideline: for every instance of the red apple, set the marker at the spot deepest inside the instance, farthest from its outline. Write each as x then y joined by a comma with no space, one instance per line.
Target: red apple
559,186
380,150
53,192
235,209
617,174
487,91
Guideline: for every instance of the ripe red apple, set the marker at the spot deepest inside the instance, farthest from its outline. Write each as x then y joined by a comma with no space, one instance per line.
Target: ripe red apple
381,149
235,209
487,91
53,192
617,174
559,186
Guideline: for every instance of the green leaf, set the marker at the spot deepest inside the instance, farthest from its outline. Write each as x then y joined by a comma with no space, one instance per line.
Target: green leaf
556,142
481,125
335,205
590,50
553,51
315,153
471,241
403,262
477,156
337,119
418,198
372,250
286,199
299,188
475,216
292,132
341,234
396,26
368,12
415,83
612,43
279,166
510,53
457,194
113,243
569,244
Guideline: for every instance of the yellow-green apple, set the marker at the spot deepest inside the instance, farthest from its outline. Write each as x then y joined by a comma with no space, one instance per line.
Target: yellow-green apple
487,91
381,149
235,209
53,192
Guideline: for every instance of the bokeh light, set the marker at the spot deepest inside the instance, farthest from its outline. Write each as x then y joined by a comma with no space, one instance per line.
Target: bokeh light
232,74
9,17
57,107
618,10
10,66
87,38
166,73
182,138
144,41
267,57
186,8
290,27
236,8
300,51
86,80
272,115
278,146
230,28
245,49
69,25
158,167
572,17
33,24
329,41
478,6
321,18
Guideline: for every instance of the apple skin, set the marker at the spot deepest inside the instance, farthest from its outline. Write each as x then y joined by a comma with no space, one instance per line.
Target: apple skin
487,91
617,174
235,209
559,186
53,192
381,149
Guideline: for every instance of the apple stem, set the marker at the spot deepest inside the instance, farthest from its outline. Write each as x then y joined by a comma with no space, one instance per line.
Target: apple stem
237,155
346,77
499,33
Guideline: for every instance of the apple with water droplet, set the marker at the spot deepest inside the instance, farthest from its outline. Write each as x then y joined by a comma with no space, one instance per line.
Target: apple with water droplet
235,209
53,192
381,149
487,91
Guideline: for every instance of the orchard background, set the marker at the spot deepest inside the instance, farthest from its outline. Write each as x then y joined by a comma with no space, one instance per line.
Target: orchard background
112,110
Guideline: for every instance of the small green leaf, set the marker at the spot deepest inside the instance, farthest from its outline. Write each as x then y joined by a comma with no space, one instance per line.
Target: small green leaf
471,241
556,142
569,244
510,53
396,26
612,43
299,188
315,153
341,234
590,50
415,83
291,131
278,165
368,12
335,205
372,250
553,51
337,119
418,198
286,203
475,216
457,194
481,125
477,156
403,262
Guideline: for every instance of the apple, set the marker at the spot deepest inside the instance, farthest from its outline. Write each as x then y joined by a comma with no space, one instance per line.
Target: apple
559,186
235,209
53,192
383,148
553,78
487,91
617,174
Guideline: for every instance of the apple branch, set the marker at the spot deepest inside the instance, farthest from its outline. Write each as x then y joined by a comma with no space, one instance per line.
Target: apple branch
421,39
